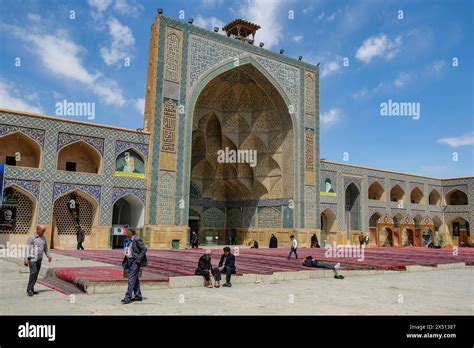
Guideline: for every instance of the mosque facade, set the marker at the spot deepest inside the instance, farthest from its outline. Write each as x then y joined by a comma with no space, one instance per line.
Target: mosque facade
229,148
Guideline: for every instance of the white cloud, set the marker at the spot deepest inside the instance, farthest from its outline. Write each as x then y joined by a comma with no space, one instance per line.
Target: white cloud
99,5
333,15
266,14
330,18
109,91
34,17
98,8
378,46
438,66
402,79
308,9
366,93
212,3
139,105
11,98
297,38
463,140
378,87
57,53
62,56
360,93
209,23
330,68
122,43
329,63
128,9
330,117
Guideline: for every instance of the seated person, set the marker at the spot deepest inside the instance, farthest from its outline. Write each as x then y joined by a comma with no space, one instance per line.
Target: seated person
227,265
205,269
309,262
255,245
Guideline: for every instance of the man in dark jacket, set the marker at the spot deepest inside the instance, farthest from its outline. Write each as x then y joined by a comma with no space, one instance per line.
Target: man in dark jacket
205,269
135,257
310,262
194,240
81,236
227,265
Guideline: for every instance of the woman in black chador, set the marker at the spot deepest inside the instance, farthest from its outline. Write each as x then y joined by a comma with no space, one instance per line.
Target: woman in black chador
273,242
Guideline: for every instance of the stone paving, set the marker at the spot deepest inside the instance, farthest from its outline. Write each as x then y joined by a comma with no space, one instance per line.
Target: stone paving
437,292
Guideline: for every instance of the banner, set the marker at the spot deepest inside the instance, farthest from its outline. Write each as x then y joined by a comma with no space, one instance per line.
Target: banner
129,163
120,230
7,218
327,187
2,182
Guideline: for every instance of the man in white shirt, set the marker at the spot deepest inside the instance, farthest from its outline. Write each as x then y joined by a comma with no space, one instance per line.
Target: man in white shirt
37,247
293,246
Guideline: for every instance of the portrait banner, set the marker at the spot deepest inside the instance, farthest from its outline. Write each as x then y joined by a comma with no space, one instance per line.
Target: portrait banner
129,163
328,188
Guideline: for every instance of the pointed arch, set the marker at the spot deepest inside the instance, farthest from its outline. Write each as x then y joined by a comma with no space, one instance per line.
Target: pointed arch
352,207
434,198
456,197
228,93
397,194
376,191
227,65
79,156
416,196
373,220
66,221
128,210
29,150
328,224
397,219
25,209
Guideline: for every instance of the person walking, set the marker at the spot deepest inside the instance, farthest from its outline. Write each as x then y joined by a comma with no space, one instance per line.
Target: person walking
135,258
194,240
80,236
293,246
37,247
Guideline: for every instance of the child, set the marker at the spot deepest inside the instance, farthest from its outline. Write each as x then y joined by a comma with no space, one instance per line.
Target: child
293,246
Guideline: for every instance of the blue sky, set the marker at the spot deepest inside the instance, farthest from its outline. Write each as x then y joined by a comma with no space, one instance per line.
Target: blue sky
408,60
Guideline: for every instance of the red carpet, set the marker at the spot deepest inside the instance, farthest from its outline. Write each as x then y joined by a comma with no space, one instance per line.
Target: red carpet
165,263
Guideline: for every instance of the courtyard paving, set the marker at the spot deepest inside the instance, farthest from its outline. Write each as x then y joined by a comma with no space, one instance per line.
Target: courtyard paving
437,292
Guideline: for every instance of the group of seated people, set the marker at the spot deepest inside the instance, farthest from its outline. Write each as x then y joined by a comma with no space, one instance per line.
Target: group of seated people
227,266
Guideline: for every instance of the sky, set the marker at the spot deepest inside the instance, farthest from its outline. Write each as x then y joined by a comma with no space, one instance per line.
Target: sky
414,56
